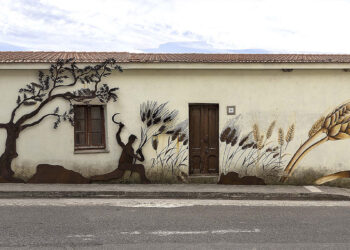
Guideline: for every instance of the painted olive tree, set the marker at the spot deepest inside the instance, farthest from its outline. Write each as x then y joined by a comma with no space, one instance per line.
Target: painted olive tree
61,82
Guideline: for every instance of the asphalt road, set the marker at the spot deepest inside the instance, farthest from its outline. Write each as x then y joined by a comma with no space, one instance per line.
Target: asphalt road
173,224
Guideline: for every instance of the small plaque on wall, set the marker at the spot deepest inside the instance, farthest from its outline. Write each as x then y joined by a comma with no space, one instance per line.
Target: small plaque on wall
231,110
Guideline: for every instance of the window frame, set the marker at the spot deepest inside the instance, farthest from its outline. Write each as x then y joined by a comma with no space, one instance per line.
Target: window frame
88,120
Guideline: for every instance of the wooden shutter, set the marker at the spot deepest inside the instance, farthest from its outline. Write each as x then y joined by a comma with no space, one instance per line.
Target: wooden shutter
89,127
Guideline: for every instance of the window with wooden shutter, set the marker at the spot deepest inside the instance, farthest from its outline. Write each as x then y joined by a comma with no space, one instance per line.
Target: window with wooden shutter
89,127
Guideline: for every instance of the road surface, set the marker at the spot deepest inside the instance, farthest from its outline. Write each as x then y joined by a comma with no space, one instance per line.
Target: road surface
173,224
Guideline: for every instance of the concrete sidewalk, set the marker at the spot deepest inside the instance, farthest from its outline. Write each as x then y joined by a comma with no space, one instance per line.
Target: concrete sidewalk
173,191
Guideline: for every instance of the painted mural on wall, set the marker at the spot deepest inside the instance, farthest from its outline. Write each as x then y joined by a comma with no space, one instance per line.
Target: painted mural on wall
246,157
156,120
255,152
127,160
60,83
172,158
332,127
261,152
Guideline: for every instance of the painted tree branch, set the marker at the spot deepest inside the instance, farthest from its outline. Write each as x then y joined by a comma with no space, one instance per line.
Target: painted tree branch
66,96
62,75
88,75
37,121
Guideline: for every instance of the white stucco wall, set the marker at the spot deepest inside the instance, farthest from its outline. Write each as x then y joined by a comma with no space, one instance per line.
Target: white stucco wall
260,96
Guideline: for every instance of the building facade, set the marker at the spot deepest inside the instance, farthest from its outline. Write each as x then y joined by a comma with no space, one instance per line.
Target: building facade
253,119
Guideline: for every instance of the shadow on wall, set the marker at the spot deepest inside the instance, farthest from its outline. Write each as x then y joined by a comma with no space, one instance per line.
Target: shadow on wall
46,173
232,178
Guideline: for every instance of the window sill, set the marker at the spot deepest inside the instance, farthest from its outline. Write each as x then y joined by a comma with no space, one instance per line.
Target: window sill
91,151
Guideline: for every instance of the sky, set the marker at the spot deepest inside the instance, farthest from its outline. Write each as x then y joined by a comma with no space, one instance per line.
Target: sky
176,26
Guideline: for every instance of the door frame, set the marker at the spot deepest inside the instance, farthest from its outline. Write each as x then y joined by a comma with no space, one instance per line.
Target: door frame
217,105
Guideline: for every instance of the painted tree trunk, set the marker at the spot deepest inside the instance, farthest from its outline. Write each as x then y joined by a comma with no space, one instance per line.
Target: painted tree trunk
9,154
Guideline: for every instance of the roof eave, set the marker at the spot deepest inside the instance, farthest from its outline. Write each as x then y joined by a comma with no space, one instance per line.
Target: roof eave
197,66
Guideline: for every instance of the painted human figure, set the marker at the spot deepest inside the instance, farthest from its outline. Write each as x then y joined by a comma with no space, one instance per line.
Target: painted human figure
126,160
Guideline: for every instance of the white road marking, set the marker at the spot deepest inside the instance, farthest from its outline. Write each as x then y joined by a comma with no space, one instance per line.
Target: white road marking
82,236
313,189
169,233
131,233
256,230
166,203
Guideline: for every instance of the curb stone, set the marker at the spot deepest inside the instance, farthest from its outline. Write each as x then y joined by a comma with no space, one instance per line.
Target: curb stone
172,195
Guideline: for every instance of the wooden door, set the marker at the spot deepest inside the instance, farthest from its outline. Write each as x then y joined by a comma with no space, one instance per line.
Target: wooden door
204,138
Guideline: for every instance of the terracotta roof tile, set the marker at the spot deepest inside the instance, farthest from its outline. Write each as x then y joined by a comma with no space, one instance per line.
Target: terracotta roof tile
125,57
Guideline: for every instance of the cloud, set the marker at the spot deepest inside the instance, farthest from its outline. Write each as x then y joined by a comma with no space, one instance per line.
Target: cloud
140,25
198,47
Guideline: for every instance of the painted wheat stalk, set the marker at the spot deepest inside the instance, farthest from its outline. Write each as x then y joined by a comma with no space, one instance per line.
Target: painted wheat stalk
171,156
331,177
156,118
335,126
229,137
270,129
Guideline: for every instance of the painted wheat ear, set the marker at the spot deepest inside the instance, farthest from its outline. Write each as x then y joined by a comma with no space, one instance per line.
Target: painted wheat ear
337,123
270,129
290,133
182,137
248,146
260,143
280,137
175,134
162,129
316,126
185,142
243,140
256,132
155,142
234,141
336,126
231,136
224,134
